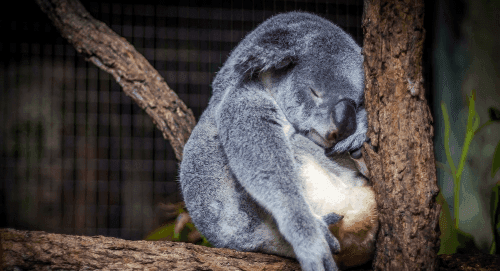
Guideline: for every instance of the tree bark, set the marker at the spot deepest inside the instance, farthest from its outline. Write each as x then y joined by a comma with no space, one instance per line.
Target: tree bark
402,163
113,54
36,250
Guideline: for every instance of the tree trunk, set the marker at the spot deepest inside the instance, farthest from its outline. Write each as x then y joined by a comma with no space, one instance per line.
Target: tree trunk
402,163
113,54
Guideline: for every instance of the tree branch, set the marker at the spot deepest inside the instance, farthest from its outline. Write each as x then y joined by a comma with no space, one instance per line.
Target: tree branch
39,250
113,54
36,250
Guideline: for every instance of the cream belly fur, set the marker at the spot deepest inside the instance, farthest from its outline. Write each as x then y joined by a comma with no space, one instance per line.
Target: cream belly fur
330,191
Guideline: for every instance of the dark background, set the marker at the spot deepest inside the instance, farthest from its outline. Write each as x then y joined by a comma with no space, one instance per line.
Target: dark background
77,156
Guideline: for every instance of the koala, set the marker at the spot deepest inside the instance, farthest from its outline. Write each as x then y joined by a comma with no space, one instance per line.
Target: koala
268,167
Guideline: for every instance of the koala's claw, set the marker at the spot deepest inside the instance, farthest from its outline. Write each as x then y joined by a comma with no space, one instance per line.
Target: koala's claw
322,261
356,154
315,251
326,264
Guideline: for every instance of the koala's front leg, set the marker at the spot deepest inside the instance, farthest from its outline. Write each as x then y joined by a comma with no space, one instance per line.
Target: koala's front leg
250,126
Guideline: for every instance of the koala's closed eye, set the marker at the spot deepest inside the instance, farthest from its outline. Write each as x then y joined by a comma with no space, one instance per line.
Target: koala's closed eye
283,63
315,93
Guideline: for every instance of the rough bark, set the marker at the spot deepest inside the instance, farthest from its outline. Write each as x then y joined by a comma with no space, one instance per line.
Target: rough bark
402,163
113,54
36,250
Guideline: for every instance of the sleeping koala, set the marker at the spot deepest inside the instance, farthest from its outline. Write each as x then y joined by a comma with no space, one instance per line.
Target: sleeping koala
256,173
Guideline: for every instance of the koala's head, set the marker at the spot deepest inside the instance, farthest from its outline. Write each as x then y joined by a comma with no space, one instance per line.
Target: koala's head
314,71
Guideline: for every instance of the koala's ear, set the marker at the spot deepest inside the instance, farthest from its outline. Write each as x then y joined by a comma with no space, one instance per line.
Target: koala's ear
273,49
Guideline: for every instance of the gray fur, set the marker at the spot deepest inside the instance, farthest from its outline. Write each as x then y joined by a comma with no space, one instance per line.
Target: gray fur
242,171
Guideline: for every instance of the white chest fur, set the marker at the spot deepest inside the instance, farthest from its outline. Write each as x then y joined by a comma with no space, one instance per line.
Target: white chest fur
331,187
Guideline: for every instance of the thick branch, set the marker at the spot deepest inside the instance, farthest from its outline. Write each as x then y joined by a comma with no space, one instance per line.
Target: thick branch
131,70
36,250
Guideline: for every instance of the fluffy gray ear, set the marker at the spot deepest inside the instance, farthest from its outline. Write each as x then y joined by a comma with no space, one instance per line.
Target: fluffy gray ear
273,49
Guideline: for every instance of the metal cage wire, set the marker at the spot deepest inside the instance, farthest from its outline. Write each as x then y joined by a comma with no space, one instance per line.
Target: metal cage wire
77,155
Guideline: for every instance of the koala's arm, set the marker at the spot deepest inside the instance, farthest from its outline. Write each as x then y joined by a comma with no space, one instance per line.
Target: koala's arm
251,130
259,154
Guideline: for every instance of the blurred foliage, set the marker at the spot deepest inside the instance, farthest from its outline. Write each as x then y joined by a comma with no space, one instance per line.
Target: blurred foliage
181,229
495,218
452,238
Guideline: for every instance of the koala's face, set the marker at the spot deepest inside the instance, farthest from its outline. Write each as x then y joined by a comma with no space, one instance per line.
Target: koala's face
320,93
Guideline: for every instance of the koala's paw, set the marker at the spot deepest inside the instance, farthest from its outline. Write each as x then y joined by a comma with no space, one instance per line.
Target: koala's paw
332,218
316,255
352,144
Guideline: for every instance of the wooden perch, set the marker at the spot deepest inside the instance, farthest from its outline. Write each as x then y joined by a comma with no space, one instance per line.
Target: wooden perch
113,54
39,250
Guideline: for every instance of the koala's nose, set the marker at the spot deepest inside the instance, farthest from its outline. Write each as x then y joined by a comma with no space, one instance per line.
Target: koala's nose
332,136
344,116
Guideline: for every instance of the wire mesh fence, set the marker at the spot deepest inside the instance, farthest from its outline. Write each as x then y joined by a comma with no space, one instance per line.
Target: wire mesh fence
77,155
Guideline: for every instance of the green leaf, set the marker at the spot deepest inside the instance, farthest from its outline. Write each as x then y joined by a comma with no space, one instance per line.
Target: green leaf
447,138
495,219
452,239
472,124
444,167
476,122
496,160
205,242
165,232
